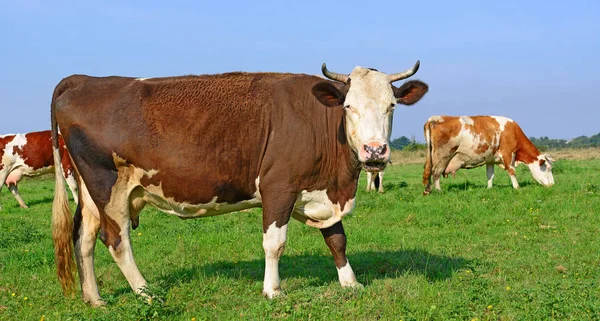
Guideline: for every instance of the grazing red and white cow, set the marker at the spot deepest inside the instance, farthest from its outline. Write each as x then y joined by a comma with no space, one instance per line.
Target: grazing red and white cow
30,155
206,145
375,180
473,141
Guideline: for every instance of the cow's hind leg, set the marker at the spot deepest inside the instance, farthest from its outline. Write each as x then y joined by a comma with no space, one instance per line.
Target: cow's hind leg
85,232
115,224
427,179
120,246
72,183
4,170
440,167
335,238
108,187
489,168
15,191
12,180
277,209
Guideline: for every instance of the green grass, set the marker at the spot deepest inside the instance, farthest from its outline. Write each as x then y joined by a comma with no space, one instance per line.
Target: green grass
465,253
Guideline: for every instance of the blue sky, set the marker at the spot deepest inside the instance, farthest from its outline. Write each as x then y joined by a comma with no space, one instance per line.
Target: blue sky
537,62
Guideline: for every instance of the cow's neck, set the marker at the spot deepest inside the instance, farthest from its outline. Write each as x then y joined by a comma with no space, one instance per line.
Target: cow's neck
526,152
344,166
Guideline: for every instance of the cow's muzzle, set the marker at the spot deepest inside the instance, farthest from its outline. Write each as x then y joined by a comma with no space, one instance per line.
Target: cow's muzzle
375,153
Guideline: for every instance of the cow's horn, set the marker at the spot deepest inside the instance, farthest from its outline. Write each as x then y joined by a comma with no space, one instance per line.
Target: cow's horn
334,75
405,74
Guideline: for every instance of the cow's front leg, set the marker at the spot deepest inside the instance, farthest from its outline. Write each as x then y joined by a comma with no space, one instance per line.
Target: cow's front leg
369,181
510,168
335,238
380,190
277,210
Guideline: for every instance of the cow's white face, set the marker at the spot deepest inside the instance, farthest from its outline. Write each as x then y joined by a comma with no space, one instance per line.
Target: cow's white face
368,99
541,170
369,107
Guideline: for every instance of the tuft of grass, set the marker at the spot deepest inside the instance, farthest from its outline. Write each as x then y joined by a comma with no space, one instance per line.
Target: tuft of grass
466,253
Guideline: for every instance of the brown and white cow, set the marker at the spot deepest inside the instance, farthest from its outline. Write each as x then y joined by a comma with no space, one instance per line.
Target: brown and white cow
206,145
30,155
473,141
375,180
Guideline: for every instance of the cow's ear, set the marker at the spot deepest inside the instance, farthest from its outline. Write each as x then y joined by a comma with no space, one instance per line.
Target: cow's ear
410,92
328,94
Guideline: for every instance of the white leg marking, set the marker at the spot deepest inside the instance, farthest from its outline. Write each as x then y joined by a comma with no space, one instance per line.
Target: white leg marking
274,244
124,258
369,181
118,210
73,187
3,176
380,182
347,277
84,254
437,183
513,180
15,191
490,174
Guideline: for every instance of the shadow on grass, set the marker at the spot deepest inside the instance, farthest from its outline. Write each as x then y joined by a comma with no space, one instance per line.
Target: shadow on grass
389,187
393,186
316,269
43,200
464,186
468,186
320,269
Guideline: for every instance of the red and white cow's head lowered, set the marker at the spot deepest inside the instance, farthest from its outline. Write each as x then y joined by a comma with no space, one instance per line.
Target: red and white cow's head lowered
541,170
369,98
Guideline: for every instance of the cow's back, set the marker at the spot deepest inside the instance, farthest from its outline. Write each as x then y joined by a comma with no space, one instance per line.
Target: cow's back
37,152
32,152
206,135
479,136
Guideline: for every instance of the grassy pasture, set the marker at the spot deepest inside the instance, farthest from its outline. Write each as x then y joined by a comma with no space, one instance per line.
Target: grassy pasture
467,253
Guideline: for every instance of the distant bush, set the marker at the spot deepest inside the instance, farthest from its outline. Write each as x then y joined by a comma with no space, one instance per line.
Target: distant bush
403,143
414,146
544,143
400,142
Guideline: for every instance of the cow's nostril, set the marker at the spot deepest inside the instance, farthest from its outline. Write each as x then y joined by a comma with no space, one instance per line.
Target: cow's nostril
383,148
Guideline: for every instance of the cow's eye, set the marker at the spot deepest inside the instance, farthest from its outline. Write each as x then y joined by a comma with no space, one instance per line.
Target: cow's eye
350,110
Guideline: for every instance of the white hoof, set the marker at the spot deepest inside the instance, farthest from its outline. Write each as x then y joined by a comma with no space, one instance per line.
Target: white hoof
96,303
271,294
354,285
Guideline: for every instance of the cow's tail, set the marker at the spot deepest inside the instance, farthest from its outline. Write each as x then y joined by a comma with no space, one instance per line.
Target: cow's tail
62,219
428,153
